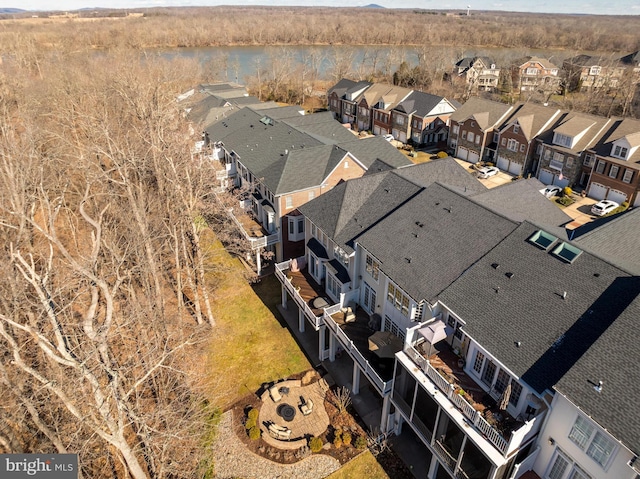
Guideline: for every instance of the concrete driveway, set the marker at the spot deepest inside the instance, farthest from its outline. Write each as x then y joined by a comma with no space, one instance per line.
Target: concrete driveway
491,182
580,211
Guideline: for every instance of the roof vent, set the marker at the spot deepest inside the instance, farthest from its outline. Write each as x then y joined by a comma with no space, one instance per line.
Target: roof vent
542,240
495,265
420,225
598,388
509,275
518,344
408,260
597,275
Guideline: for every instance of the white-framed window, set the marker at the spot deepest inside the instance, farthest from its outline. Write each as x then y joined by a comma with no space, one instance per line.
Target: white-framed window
398,299
613,171
522,145
600,166
516,391
464,135
620,152
559,466
539,149
288,202
400,120
512,145
389,325
477,362
628,175
504,142
516,128
456,129
596,444
496,136
372,267
478,138
595,70
532,71
333,286
564,140
588,160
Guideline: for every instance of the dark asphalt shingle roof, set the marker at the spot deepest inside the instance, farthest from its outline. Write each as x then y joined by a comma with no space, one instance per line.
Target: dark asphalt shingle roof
521,200
368,150
616,239
424,260
419,103
568,341
446,171
341,87
620,128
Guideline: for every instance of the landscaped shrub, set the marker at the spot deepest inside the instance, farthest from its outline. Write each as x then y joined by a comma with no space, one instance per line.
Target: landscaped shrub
442,154
346,439
253,414
565,200
361,443
566,191
337,442
254,433
315,444
250,424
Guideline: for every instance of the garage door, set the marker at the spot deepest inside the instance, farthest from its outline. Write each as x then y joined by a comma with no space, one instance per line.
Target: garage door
562,183
463,153
617,196
376,130
503,163
474,156
546,177
597,191
515,168
402,137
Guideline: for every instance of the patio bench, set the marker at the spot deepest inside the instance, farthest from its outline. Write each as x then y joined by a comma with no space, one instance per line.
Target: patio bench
279,432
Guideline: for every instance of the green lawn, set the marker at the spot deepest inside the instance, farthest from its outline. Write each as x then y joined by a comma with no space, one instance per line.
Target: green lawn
249,346
365,465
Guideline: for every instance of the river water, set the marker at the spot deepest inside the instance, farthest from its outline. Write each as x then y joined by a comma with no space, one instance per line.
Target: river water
236,63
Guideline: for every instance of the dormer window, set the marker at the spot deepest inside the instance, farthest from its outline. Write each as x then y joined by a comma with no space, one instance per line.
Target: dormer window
516,128
620,152
562,140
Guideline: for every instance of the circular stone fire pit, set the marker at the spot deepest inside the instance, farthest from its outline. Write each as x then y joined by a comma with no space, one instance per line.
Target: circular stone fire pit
286,412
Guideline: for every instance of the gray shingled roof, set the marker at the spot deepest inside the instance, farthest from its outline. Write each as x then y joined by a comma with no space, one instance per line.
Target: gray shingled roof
615,239
486,112
532,118
568,341
424,260
446,171
368,150
620,128
419,103
341,87
521,200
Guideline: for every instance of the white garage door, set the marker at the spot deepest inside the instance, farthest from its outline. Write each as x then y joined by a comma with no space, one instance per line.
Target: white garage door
376,130
546,177
463,153
474,156
597,191
402,137
561,182
345,118
617,196
503,163
515,168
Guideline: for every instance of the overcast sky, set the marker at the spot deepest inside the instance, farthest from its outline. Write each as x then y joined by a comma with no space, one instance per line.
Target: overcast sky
603,7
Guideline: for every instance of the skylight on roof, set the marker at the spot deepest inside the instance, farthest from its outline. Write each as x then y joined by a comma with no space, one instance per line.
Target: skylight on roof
266,120
566,252
542,239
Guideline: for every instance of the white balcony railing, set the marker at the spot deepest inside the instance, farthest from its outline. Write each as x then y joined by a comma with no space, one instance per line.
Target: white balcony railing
256,242
316,321
384,387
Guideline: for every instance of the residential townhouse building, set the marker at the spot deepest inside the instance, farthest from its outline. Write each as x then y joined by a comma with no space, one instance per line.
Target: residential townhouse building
343,97
279,160
515,138
559,151
480,73
586,72
612,165
537,74
423,119
381,111
473,128
370,97
391,247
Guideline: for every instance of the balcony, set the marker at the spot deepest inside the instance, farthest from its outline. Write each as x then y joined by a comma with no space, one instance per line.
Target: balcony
303,290
253,231
354,338
478,407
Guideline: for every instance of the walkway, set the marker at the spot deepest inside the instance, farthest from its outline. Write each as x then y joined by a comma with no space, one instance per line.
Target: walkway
232,459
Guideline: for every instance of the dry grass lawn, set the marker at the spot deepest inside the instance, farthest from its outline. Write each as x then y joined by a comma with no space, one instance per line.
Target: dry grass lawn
249,346
365,465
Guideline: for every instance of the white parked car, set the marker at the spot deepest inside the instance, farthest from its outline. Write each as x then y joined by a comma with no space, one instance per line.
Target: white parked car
551,190
488,171
388,137
603,207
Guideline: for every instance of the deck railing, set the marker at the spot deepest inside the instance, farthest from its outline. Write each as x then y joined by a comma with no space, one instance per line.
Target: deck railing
492,435
256,243
316,321
383,386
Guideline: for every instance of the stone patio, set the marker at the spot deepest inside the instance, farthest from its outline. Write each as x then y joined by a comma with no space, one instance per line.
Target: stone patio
302,427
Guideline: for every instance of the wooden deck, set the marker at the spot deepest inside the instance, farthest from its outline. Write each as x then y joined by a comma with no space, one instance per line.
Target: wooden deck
309,289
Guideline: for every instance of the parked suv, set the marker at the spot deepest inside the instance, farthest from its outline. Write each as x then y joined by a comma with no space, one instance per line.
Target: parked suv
603,207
